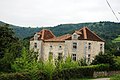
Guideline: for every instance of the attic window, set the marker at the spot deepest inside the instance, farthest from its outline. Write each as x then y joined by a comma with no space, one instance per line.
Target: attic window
36,37
74,36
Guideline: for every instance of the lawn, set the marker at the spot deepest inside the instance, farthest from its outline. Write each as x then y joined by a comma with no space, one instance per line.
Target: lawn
115,77
116,39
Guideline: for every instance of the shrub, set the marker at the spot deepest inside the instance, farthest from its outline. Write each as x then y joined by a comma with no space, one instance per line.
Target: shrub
78,72
101,67
36,75
15,76
39,75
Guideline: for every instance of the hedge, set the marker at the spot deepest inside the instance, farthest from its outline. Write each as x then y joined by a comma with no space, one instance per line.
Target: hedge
79,72
38,75
15,76
65,74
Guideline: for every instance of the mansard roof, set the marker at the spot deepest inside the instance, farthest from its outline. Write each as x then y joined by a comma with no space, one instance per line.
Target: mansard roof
44,35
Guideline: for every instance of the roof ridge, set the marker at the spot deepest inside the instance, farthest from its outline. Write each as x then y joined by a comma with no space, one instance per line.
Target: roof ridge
84,32
42,34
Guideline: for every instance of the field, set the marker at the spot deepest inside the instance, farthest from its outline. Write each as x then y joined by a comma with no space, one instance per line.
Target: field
116,39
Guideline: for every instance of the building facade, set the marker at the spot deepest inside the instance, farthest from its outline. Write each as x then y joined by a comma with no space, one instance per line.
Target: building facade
82,44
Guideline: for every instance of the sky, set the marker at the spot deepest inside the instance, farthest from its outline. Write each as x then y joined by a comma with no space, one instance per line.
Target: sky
46,13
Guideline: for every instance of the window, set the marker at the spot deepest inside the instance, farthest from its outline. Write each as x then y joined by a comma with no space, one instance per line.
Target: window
59,56
60,47
51,47
88,57
35,45
101,47
74,57
50,56
89,46
74,36
74,45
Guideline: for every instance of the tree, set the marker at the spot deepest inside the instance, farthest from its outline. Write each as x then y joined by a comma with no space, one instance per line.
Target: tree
105,58
9,47
26,62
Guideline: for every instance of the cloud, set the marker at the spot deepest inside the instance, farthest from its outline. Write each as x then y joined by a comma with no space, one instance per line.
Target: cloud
53,12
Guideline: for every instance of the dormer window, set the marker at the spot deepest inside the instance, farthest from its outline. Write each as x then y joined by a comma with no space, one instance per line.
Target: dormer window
36,37
74,36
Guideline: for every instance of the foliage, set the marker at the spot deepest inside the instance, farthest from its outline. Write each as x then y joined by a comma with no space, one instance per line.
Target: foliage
9,48
65,64
116,52
15,76
104,58
117,63
116,39
102,67
36,75
49,68
74,72
27,61
103,29
115,77
82,62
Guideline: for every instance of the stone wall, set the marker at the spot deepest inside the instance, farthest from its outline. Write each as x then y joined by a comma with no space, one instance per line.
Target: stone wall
105,73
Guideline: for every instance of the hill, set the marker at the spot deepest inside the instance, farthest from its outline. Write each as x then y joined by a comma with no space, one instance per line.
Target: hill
106,30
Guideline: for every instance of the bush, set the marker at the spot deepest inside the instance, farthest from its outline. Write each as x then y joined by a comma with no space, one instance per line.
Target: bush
15,76
102,67
78,72
37,75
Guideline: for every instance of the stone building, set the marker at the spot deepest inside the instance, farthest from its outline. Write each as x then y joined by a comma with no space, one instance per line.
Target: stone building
82,44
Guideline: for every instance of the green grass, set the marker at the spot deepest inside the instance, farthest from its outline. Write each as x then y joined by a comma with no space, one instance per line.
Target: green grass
115,77
116,39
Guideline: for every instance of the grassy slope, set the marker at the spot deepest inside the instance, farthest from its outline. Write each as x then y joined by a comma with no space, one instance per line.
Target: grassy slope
116,39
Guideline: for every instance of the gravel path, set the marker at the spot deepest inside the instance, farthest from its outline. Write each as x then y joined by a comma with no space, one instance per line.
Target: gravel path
102,79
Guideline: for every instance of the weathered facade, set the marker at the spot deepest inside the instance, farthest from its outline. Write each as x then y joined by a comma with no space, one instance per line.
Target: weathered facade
82,44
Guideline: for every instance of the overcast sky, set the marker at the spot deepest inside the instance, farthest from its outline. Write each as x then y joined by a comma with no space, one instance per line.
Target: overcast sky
53,12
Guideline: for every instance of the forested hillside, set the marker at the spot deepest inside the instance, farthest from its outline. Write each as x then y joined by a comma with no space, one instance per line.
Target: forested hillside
106,30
